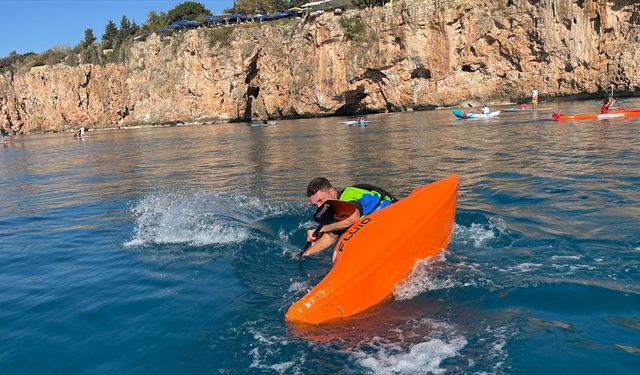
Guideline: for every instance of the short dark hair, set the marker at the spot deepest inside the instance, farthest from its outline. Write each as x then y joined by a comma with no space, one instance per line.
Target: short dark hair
317,184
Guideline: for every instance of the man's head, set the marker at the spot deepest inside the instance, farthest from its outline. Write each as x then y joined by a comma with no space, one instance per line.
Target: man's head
320,190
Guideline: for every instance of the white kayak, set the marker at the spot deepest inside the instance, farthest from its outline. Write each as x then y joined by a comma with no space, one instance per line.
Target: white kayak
464,115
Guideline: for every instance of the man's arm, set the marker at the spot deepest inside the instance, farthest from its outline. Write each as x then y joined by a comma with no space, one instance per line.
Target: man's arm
320,244
343,224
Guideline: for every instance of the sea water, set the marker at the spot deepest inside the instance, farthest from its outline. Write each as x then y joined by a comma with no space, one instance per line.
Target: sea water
170,251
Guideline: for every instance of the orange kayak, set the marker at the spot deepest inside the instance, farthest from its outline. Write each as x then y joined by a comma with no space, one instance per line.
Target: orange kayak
379,251
595,116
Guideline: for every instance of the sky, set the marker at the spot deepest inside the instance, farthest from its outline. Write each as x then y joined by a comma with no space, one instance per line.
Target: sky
37,25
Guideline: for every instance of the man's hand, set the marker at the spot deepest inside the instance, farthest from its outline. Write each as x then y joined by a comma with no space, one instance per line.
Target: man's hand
310,237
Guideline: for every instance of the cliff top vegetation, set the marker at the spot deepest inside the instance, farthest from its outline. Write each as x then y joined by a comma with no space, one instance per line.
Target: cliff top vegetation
115,41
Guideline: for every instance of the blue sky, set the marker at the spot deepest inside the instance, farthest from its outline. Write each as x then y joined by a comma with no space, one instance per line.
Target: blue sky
37,25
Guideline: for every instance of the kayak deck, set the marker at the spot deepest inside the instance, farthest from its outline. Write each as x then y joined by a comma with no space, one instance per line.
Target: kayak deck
379,251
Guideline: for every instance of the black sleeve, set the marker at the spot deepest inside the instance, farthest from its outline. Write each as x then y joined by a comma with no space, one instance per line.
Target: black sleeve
358,206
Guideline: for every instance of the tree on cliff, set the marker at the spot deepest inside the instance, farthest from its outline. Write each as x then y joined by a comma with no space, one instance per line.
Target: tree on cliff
127,30
252,6
109,36
13,61
189,10
263,6
154,22
89,38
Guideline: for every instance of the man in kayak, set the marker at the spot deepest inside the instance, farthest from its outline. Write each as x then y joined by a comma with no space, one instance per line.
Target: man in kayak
366,199
485,110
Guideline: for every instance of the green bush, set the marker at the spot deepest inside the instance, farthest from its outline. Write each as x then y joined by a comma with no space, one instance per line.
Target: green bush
220,35
354,27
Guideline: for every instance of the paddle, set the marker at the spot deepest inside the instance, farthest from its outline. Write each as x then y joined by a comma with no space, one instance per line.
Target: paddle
329,212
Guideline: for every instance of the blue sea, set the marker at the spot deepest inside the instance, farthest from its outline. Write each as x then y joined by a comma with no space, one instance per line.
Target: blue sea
170,250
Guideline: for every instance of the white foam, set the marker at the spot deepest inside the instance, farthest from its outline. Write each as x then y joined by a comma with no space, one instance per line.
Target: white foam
421,358
476,233
269,347
423,277
299,286
197,218
575,257
524,267
280,368
480,234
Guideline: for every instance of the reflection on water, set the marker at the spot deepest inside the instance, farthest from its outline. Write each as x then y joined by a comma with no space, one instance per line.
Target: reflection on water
170,250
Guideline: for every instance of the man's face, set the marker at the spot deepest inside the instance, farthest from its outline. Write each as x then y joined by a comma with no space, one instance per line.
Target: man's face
322,196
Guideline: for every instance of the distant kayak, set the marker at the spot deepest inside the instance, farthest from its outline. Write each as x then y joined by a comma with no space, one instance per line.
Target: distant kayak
617,101
353,122
256,124
597,116
527,109
379,251
465,115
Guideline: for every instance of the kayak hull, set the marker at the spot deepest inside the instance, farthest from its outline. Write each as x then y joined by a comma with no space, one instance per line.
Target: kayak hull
595,116
467,115
379,251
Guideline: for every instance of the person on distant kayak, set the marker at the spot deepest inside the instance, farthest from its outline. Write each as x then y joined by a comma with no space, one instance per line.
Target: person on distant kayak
366,199
485,110
607,105
534,98
523,106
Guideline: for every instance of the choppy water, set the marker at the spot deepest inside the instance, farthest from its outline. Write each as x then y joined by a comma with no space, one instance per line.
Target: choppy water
169,251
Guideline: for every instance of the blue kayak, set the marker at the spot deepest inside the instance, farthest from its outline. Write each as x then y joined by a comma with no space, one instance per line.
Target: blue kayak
256,124
465,115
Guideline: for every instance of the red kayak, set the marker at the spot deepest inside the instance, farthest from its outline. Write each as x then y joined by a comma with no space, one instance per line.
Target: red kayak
597,116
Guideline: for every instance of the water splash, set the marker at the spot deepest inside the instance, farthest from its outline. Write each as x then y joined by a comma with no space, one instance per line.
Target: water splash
198,218
412,354
425,276
480,234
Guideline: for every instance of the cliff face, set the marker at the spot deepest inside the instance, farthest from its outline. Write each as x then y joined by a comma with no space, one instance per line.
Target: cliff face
411,54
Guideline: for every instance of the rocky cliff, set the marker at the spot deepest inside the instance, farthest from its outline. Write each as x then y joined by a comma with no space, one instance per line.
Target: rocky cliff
409,54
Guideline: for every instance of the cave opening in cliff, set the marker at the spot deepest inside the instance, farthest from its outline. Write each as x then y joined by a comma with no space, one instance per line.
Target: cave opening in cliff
597,24
468,68
423,73
253,91
352,101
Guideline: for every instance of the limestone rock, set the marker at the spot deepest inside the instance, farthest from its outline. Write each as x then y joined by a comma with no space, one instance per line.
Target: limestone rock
409,54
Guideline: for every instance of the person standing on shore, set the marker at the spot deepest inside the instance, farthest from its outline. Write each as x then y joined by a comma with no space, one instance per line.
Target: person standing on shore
534,98
5,134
